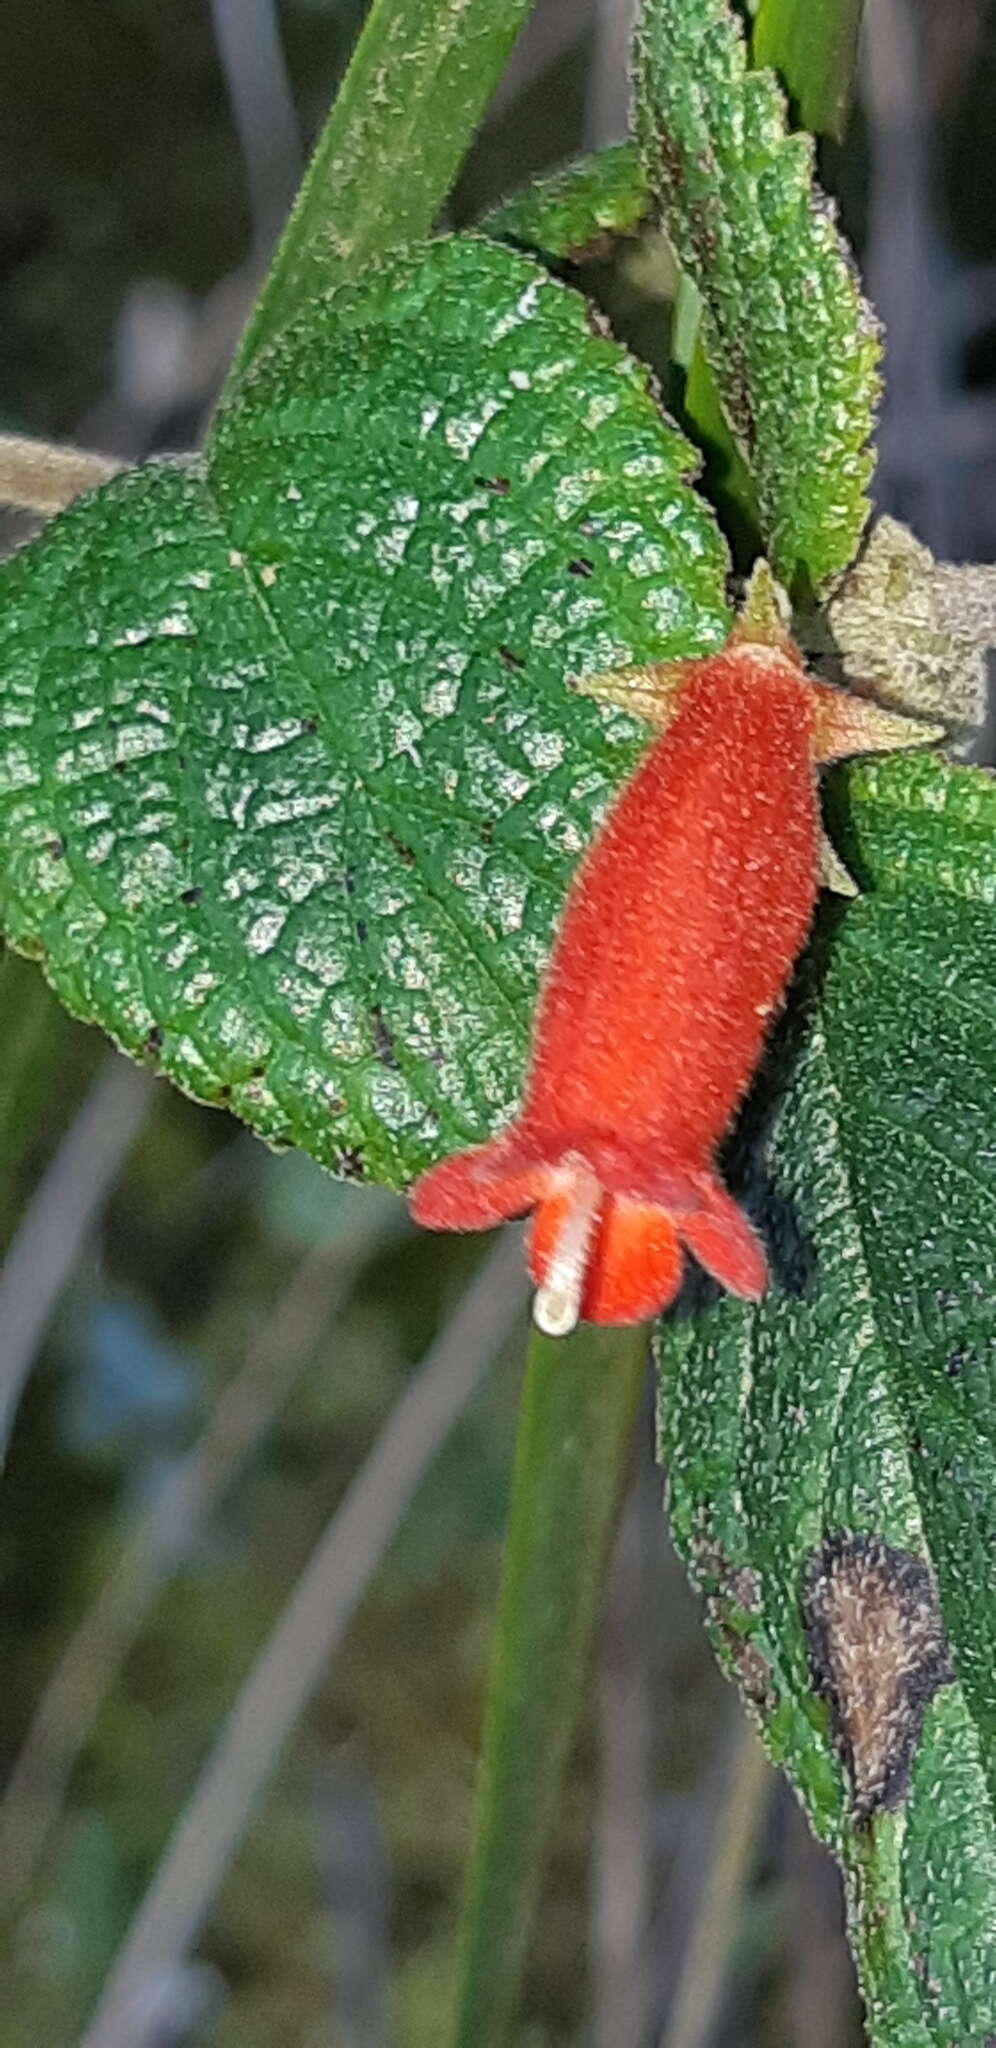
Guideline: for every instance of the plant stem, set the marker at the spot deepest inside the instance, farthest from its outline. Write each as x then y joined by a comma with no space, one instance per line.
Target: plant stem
417,86
39,476
576,1423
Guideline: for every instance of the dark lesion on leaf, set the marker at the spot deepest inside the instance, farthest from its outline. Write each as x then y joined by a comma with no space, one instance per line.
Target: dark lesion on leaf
734,1606
56,848
498,484
191,896
349,1164
154,1042
511,660
580,566
404,853
383,1040
878,1652
750,1668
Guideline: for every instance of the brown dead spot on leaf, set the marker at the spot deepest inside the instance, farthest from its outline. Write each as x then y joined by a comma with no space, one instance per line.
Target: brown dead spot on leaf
732,1593
750,1668
878,1652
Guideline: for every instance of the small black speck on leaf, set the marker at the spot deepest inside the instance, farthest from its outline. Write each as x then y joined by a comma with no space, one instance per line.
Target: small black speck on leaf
383,1039
310,725
596,321
403,852
580,566
362,930
511,660
154,1039
499,484
191,895
56,849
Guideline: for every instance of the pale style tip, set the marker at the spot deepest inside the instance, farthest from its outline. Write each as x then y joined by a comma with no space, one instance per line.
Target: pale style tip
557,1306
557,1310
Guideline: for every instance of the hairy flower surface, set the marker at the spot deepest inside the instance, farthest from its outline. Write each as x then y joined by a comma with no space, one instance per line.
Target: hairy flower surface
678,936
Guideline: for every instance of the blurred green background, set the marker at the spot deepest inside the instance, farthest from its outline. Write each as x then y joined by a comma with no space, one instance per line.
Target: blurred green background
158,1262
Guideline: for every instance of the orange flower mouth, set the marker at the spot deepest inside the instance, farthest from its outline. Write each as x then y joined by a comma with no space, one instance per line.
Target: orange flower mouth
605,1254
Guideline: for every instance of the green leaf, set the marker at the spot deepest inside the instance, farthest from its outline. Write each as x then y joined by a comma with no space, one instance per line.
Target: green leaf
813,45
291,781
416,89
854,1409
787,335
575,207
575,1433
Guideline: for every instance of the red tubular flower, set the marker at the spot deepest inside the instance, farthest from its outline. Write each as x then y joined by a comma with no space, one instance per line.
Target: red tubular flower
677,939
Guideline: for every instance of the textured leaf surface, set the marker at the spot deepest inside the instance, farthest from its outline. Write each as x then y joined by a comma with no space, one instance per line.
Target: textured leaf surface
291,784
564,214
857,1405
787,335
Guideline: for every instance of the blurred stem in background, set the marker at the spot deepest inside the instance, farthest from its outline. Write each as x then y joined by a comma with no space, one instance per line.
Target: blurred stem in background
250,49
748,1782
54,1227
130,2012
168,1534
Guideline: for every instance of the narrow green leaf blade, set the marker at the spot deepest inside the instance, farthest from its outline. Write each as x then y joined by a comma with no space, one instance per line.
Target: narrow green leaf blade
578,1412
291,781
813,46
416,89
833,1453
790,341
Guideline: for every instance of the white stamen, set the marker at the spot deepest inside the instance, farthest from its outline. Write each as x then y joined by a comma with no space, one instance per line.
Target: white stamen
557,1306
